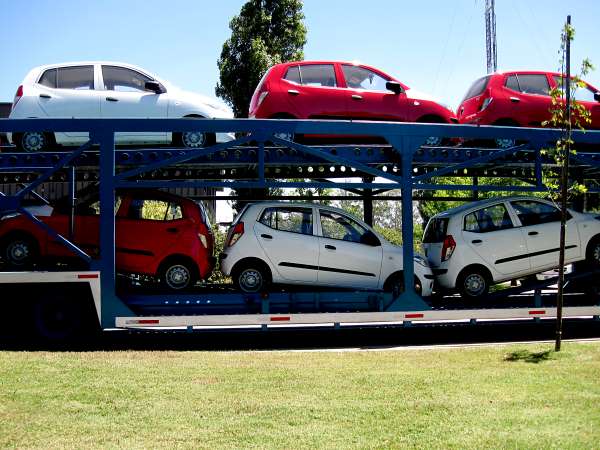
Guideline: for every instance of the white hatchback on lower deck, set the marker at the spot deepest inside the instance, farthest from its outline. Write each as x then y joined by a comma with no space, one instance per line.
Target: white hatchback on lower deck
479,244
315,245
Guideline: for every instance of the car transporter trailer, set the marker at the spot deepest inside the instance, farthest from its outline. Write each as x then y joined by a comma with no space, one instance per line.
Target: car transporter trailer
60,301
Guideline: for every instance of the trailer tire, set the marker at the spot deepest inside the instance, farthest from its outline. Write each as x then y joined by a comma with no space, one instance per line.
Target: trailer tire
63,319
19,250
473,282
251,276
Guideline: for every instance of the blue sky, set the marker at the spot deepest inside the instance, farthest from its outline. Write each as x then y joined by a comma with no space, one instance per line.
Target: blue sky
435,46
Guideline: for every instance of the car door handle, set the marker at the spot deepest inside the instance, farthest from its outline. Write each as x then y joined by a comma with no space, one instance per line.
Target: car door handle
476,241
266,236
112,99
45,96
515,99
356,97
172,230
293,92
329,247
533,233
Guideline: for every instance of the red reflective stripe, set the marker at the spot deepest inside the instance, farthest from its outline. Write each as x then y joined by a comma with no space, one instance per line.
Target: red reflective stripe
540,311
82,276
413,316
280,319
147,321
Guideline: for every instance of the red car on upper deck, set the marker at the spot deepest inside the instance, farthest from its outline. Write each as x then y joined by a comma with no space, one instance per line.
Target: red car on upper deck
341,90
520,98
157,234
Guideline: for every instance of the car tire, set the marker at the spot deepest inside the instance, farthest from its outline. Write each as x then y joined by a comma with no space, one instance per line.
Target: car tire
251,277
194,139
177,274
20,250
592,253
395,285
473,283
33,141
433,141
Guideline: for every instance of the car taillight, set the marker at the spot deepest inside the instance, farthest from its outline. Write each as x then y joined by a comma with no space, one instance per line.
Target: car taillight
203,240
486,103
261,97
18,96
448,247
236,234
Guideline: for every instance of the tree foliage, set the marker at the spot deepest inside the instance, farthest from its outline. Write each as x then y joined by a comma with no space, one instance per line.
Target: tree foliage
266,32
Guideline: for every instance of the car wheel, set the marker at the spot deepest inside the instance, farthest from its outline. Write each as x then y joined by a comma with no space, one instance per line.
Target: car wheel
33,141
285,136
473,283
193,139
177,275
20,251
396,285
505,143
592,254
251,278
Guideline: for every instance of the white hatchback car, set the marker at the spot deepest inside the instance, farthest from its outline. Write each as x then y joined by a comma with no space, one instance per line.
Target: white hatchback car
479,244
309,244
108,90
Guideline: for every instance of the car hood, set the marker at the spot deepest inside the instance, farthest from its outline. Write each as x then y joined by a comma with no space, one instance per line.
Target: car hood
213,103
418,95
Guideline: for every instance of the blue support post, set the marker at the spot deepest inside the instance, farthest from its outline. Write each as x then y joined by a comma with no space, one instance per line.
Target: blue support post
111,306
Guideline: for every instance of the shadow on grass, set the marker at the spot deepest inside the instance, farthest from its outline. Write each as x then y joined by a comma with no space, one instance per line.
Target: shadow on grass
530,357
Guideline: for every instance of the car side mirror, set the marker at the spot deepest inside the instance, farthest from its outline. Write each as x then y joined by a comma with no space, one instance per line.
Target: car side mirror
394,86
369,238
597,96
153,86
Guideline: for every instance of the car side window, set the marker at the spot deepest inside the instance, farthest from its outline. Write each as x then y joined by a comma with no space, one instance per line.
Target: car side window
535,213
293,75
48,78
340,227
529,84
293,220
122,79
147,209
80,78
361,78
318,75
491,218
581,94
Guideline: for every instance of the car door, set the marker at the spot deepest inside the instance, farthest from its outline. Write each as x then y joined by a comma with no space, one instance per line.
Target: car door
541,224
124,95
530,99
491,233
67,92
345,261
146,228
313,91
286,235
367,97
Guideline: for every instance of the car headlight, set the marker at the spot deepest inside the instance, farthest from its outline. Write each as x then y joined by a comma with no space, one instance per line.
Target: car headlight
421,261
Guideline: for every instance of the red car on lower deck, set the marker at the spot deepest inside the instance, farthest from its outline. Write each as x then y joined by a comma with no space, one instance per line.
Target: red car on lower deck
157,234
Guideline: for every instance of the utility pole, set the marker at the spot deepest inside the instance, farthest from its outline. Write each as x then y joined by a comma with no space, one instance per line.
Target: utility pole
490,36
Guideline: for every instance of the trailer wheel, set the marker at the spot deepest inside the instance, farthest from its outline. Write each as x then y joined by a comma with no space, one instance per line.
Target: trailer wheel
20,250
473,283
62,319
251,276
177,274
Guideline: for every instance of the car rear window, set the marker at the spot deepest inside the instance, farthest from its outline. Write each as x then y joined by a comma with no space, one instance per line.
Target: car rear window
48,78
477,88
436,230
293,74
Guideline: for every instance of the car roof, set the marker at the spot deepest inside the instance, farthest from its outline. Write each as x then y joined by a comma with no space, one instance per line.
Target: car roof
472,206
302,205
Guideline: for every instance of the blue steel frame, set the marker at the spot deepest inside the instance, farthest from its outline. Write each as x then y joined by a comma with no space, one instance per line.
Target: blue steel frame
405,139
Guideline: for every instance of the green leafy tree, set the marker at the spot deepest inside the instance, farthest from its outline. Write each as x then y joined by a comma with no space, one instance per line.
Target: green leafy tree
266,32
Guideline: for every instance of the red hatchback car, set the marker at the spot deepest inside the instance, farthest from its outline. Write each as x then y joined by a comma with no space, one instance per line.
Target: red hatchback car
519,99
342,90
157,234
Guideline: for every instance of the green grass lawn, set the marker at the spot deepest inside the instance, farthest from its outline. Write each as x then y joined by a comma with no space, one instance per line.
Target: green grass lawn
495,397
